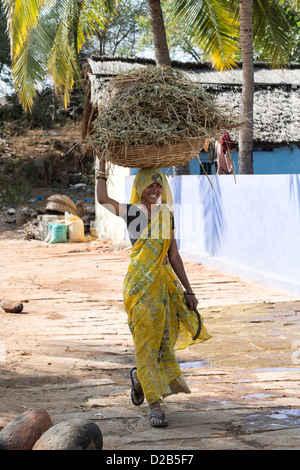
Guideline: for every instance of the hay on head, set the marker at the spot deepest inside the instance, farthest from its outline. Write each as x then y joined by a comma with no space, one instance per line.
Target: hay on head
157,116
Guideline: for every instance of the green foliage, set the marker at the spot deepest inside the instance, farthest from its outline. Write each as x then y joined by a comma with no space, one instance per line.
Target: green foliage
179,35
272,32
214,28
47,110
292,13
12,111
15,187
122,35
46,37
4,40
273,38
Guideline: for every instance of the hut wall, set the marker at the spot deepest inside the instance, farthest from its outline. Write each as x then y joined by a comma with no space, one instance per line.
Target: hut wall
282,160
270,161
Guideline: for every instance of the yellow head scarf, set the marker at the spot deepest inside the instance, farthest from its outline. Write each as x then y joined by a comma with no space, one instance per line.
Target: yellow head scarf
144,178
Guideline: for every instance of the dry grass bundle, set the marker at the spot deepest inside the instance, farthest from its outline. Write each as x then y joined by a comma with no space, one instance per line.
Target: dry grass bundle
157,117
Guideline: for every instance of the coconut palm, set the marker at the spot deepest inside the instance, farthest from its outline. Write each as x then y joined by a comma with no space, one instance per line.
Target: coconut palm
221,45
261,24
161,49
246,132
46,37
276,47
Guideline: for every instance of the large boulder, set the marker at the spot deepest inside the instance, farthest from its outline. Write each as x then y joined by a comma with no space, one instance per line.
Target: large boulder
71,435
23,431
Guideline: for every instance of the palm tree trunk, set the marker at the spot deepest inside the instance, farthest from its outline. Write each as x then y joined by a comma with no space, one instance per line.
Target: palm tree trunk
182,170
246,133
162,55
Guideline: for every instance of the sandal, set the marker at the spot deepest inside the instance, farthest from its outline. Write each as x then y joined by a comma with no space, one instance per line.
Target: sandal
138,395
161,419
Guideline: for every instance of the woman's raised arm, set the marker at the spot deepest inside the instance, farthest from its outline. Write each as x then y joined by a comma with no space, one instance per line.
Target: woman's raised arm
110,204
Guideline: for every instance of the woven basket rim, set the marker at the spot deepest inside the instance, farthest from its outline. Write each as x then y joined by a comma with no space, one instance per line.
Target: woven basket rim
60,207
157,156
61,203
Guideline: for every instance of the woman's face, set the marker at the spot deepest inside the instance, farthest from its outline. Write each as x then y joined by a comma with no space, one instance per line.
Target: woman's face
152,193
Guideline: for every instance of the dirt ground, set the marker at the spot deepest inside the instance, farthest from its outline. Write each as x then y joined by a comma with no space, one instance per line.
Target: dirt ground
70,352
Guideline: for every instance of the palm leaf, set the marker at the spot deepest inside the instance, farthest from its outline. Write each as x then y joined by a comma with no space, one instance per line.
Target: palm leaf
271,31
22,15
95,16
46,37
214,29
295,3
29,65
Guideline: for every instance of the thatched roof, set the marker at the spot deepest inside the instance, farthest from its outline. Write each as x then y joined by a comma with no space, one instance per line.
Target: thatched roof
276,97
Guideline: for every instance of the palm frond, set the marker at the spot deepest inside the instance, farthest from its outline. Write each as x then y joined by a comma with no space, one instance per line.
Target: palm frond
95,17
29,65
271,31
46,36
295,3
22,16
214,29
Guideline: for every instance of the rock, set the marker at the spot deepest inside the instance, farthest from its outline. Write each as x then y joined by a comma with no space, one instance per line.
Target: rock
71,435
23,431
11,306
3,423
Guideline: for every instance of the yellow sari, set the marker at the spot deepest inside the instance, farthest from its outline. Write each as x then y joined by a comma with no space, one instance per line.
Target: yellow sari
158,317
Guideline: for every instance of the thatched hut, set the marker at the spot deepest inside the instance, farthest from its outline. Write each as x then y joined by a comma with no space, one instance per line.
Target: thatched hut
276,116
276,97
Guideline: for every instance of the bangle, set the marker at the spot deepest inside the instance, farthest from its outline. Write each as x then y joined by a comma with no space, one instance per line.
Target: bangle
99,173
189,293
101,177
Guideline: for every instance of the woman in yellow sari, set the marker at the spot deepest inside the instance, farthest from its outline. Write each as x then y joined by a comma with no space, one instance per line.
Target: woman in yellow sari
160,311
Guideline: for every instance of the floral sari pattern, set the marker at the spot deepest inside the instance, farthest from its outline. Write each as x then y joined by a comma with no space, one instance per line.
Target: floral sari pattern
158,317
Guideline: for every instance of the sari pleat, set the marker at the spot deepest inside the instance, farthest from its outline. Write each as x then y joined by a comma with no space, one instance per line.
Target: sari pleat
158,317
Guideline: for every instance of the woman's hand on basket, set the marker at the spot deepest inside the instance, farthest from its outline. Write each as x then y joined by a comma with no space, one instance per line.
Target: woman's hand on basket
191,300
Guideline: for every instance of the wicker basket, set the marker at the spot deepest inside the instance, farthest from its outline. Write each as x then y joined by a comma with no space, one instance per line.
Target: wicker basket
60,203
155,156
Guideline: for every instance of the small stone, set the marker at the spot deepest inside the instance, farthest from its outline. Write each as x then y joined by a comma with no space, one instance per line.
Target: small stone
71,435
23,431
11,307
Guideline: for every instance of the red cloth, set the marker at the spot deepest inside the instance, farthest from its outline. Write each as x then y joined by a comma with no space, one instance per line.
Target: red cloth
227,143
225,166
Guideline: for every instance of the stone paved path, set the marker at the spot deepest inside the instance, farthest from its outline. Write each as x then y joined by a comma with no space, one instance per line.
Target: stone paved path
70,352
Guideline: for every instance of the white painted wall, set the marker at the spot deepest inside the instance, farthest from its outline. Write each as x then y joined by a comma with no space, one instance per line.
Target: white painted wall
250,227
